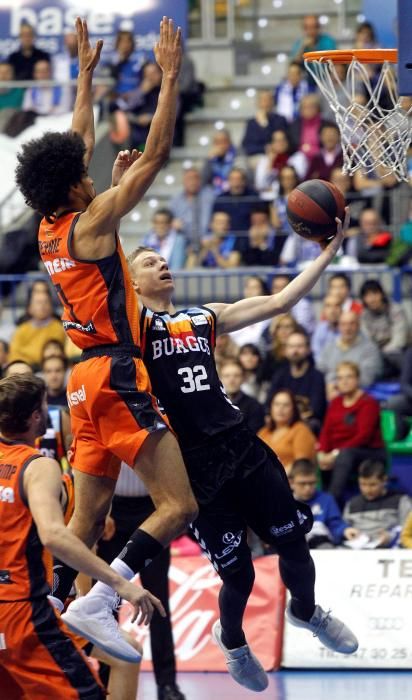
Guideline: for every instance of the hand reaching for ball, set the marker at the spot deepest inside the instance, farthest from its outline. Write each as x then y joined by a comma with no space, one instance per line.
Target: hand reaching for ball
341,230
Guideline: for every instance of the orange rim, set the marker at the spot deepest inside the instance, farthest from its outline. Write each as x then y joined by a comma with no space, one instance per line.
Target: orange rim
347,56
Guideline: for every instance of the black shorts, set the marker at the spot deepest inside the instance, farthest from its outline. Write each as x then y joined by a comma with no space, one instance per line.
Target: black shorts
260,498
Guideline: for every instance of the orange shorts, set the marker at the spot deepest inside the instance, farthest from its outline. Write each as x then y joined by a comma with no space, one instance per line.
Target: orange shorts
112,412
39,657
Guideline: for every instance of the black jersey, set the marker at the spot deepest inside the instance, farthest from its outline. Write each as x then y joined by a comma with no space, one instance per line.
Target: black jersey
178,350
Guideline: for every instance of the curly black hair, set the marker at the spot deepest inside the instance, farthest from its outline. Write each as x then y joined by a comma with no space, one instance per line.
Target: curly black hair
48,167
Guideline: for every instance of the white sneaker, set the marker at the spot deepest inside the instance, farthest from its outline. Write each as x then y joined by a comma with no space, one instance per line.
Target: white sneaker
331,631
242,665
93,619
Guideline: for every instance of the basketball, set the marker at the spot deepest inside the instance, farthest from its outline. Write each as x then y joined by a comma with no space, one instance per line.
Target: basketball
312,208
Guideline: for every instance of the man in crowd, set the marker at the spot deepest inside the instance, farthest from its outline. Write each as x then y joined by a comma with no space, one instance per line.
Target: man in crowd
232,376
166,240
238,202
192,208
326,329
24,59
54,370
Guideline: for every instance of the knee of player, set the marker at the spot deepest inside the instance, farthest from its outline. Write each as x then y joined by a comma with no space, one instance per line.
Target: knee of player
182,514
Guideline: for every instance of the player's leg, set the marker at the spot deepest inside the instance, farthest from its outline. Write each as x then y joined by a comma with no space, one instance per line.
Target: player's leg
124,677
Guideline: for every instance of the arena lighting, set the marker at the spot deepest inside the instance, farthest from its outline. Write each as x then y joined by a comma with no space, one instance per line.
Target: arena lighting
360,18
250,92
262,22
234,104
324,19
204,140
281,57
121,7
187,164
135,216
153,203
338,2
266,69
219,125
277,3
248,36
169,179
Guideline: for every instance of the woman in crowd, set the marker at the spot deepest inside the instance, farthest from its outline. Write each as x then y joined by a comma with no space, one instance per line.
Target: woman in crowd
253,384
278,154
275,338
254,286
286,434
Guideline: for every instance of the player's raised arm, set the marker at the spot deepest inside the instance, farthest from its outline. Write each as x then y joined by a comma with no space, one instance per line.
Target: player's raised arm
107,209
232,317
83,118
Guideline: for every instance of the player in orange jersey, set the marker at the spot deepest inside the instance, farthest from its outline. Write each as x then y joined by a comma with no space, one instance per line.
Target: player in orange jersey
113,415
38,655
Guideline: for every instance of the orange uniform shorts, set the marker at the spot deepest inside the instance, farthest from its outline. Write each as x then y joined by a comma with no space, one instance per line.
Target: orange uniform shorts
39,657
112,413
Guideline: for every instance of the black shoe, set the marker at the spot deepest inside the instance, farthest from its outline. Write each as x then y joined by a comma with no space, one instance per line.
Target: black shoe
169,692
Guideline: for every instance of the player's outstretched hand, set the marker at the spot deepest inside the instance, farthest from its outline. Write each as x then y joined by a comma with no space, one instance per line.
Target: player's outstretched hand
122,164
168,50
341,230
144,603
88,57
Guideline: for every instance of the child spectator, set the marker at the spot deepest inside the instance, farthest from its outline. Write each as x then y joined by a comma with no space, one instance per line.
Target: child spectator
329,528
166,241
376,513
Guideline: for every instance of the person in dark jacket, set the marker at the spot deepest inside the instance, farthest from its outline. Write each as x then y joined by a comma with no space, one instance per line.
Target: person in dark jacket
259,129
24,59
232,375
239,202
330,155
306,382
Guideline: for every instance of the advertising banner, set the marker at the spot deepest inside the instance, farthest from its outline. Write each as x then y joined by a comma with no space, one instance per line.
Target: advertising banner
52,18
371,591
194,589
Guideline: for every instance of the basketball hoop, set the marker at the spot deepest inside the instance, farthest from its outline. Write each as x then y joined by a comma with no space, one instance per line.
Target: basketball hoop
376,130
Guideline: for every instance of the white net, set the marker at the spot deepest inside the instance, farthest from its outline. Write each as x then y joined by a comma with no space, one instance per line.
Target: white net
375,124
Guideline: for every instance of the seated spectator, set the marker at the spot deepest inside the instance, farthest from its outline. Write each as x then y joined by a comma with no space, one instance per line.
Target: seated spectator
288,180
126,68
365,36
327,328
44,101
406,534
278,154
260,128
142,103
286,433
17,367
290,91
220,162
29,338
39,287
351,430
225,349
305,129
330,155
350,345
372,243
329,528
311,40
377,515
275,338
302,311
231,375
238,201
192,208
385,323
254,286
220,247
4,354
166,241
339,286
51,349
402,403
54,370
250,359
11,99
263,246
24,59
300,376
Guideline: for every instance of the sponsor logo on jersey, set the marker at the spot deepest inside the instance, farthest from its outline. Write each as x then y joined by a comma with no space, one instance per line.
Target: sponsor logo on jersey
282,530
301,517
158,325
5,577
7,471
58,265
185,344
72,325
76,397
49,247
6,494
199,320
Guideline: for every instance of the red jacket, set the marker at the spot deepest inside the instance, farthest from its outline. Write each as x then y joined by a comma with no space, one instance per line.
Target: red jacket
351,426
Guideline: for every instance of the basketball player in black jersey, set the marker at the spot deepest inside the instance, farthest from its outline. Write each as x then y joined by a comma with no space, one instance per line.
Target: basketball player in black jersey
237,480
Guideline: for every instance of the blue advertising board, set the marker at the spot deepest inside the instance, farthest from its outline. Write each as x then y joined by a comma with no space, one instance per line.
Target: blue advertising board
51,19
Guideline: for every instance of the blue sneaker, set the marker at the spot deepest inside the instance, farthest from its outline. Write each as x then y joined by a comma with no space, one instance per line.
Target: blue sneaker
242,665
330,631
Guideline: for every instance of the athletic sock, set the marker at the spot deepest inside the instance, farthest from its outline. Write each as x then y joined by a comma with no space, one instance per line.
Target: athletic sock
63,579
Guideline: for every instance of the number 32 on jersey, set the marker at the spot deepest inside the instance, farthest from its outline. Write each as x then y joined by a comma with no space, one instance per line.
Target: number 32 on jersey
194,379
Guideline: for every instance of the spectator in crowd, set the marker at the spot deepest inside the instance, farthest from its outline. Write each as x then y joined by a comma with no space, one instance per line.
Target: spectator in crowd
311,40
231,375
344,183
263,245
220,161
350,345
385,322
17,367
406,534
254,286
339,286
372,243
192,208
54,370
225,349
351,430
165,240
402,403
302,312
288,180
29,338
4,354
329,528
304,131
44,101
66,67
330,155
141,104
365,36
300,376
327,328
127,67
278,154
290,91
11,99
52,348
239,201
220,247
286,433
24,59
260,128
274,343
39,287
250,359
377,515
